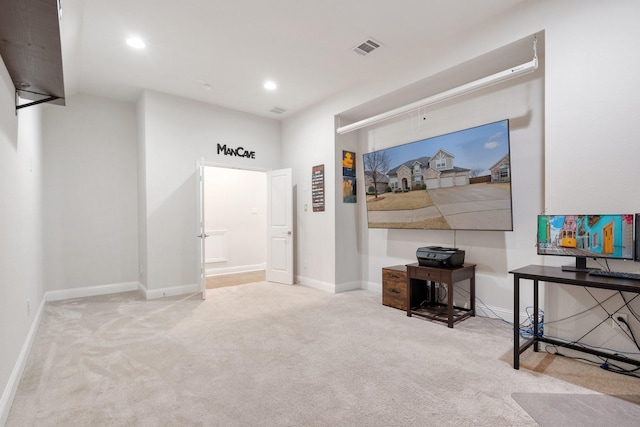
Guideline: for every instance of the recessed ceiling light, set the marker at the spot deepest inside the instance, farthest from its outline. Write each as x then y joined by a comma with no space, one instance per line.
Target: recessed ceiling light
270,85
136,43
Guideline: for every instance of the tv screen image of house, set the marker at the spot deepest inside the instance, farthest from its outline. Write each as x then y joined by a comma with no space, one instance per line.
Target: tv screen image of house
586,236
457,181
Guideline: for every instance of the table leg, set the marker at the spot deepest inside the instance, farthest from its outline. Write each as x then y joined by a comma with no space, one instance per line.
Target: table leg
450,303
472,292
409,296
535,315
516,322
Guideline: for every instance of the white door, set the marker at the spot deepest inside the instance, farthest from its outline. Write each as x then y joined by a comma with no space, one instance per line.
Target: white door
280,227
202,277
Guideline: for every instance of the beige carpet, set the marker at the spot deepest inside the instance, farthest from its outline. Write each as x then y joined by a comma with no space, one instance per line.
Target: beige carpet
579,410
265,354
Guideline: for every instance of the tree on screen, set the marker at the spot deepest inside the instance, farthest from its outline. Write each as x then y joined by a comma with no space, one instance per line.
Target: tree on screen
376,165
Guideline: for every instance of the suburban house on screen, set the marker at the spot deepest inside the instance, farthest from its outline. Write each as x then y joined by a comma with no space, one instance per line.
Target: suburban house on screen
382,181
501,172
436,172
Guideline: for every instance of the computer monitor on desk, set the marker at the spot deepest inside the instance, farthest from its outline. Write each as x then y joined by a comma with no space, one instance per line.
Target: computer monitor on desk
586,236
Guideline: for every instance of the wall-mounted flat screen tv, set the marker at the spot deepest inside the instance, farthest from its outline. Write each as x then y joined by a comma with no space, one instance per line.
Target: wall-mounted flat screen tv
586,236
457,181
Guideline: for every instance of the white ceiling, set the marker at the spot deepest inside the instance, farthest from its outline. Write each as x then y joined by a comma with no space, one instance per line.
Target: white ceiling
235,45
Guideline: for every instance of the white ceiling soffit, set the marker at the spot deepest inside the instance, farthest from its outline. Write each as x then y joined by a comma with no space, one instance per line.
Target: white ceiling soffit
306,47
505,57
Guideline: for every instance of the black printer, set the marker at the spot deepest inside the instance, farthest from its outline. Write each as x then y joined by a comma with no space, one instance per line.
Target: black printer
437,256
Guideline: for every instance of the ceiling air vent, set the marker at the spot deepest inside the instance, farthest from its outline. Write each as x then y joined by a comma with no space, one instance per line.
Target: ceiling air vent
366,47
277,110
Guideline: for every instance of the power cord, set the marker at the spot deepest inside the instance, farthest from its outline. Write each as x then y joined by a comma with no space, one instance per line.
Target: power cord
604,364
527,330
628,330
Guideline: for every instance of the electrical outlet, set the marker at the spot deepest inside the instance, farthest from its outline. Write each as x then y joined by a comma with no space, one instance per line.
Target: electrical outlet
619,321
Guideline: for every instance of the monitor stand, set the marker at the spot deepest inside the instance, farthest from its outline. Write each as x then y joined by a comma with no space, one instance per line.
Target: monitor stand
580,267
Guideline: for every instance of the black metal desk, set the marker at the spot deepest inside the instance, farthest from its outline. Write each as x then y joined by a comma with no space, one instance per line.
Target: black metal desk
553,275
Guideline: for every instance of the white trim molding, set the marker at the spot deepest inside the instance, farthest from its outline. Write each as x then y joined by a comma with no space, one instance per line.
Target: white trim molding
371,286
91,291
217,247
316,284
231,270
170,291
349,286
6,400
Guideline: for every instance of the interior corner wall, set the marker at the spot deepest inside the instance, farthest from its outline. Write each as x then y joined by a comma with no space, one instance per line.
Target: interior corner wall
348,272
308,141
142,191
90,194
178,133
21,236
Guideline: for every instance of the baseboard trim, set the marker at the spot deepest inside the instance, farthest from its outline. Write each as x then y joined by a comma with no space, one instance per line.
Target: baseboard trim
231,270
349,286
370,286
91,291
16,375
316,284
498,313
170,291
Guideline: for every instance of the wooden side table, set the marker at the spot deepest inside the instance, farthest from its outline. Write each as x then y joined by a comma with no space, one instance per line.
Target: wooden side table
426,277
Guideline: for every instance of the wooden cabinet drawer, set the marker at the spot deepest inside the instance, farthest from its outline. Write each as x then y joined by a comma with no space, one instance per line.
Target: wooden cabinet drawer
394,287
426,274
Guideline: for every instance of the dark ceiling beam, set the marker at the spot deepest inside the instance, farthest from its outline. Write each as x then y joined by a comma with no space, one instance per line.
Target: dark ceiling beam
31,49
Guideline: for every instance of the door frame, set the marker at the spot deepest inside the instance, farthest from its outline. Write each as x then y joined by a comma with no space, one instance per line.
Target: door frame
202,163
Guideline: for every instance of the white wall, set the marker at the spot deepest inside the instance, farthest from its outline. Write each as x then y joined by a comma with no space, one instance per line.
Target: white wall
142,192
177,133
592,110
21,237
349,271
235,219
592,119
90,194
308,142
590,113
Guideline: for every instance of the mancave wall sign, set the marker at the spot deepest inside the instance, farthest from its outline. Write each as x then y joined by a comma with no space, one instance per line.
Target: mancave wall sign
236,152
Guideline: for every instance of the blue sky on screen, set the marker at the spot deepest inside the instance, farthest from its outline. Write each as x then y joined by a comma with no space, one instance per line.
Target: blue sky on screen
479,147
556,222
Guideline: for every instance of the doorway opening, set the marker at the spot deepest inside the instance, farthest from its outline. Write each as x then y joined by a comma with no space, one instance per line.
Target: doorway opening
235,217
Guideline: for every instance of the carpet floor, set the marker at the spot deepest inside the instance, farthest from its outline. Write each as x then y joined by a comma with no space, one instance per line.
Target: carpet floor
264,354
579,410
